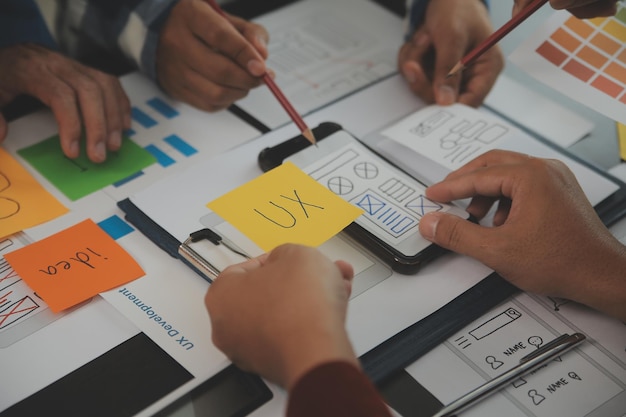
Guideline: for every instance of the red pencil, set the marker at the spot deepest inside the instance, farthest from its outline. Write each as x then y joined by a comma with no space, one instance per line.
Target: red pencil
267,79
496,36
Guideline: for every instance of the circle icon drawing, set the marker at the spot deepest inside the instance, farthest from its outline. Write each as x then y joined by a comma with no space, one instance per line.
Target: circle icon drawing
366,170
340,185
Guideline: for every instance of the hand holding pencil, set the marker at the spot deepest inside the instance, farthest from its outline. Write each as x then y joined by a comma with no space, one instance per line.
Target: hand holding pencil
523,9
207,61
269,81
450,29
495,37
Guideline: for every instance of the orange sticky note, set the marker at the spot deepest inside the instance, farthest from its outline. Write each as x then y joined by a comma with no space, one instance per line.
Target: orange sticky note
285,205
72,266
22,198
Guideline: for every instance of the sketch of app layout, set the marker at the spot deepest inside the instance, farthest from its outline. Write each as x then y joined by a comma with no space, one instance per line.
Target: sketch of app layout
22,312
573,384
451,135
319,57
391,201
320,63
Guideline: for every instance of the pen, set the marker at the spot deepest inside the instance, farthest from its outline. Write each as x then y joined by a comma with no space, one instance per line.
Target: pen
549,351
267,79
475,53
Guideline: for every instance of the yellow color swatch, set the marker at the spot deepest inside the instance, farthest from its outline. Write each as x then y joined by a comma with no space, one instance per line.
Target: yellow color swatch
621,137
285,205
24,202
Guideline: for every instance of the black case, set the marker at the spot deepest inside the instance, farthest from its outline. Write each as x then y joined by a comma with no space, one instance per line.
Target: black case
272,157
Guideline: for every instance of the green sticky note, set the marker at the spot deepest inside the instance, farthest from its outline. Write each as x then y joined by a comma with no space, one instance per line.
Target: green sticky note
79,177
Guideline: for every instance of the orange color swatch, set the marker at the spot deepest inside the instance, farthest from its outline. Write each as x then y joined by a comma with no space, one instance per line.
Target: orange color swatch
604,43
580,27
567,41
74,265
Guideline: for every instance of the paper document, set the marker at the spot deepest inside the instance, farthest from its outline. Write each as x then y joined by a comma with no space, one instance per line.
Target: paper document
323,50
583,59
537,113
436,140
589,380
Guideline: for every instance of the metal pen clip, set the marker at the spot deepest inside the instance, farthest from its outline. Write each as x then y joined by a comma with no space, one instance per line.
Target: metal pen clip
200,262
527,364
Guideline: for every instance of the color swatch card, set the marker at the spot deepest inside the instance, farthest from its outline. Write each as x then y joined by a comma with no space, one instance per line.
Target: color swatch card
583,59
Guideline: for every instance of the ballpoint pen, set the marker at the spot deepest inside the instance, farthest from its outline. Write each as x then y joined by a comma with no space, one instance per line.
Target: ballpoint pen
549,351
475,53
269,81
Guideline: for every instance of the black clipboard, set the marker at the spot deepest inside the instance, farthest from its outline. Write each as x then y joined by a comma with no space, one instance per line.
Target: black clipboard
392,356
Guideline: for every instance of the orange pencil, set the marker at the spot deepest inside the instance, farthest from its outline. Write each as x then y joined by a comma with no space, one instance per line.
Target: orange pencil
267,79
473,55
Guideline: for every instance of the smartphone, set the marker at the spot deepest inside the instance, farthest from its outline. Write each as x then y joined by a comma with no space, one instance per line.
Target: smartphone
392,201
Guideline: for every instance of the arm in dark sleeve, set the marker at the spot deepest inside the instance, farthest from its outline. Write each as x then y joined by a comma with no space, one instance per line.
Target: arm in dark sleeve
21,22
129,27
335,389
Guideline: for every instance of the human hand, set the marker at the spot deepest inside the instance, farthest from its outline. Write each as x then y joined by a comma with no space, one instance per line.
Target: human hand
547,237
207,61
77,95
282,314
450,30
582,9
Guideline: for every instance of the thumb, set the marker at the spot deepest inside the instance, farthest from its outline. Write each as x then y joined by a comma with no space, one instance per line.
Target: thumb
453,233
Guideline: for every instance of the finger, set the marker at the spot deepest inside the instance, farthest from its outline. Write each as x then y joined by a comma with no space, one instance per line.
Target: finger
480,206
255,34
502,213
493,181
571,4
481,77
347,272
519,5
123,102
204,94
220,34
114,116
599,9
454,233
413,62
244,267
346,269
61,99
92,109
446,89
493,157
205,70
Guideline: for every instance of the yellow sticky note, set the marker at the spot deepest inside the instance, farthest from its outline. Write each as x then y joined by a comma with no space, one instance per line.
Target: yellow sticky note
24,202
285,205
621,137
73,265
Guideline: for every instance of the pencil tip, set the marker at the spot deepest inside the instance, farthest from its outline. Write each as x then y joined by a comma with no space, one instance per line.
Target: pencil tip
308,134
458,67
